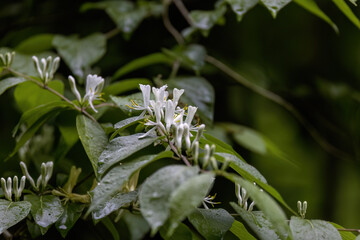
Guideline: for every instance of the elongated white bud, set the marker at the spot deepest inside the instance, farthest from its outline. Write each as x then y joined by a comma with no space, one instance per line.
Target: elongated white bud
74,89
187,137
37,66
190,114
195,148
178,137
176,95
26,173
206,156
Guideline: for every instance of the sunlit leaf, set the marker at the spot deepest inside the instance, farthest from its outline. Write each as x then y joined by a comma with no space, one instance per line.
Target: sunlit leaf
36,44
341,4
7,83
239,230
12,212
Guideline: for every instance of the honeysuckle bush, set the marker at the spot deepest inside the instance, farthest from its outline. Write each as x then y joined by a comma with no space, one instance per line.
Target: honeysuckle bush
153,156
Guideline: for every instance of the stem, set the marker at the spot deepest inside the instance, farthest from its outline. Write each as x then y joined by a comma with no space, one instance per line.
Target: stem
112,33
7,235
42,85
174,149
183,10
349,230
165,16
282,102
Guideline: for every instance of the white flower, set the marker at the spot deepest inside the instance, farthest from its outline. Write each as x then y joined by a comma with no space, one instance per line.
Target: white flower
146,90
49,67
169,114
176,95
190,114
160,94
94,86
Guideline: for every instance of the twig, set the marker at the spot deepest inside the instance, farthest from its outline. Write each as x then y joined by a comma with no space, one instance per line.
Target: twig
183,10
166,20
279,100
7,235
349,230
42,85
174,149
112,33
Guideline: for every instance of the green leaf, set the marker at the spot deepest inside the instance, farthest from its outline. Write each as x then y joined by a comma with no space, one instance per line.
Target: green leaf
35,44
187,197
313,229
122,147
192,56
257,222
124,103
7,83
205,20
12,212
80,54
255,141
274,6
345,235
68,219
240,7
45,210
119,126
111,227
347,11
28,95
220,145
125,86
242,167
198,92
265,203
137,225
211,223
312,7
118,176
151,59
92,137
182,232
113,204
31,116
156,191
239,230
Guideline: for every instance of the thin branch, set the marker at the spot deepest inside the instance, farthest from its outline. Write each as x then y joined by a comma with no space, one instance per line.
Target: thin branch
166,20
349,230
112,33
7,235
42,85
183,10
282,102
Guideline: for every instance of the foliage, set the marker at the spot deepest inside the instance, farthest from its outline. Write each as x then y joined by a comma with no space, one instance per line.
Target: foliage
152,159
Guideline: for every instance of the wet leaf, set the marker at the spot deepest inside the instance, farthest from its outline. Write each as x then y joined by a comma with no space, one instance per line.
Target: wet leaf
240,7
312,229
12,212
122,147
72,212
205,20
211,223
156,191
274,6
92,137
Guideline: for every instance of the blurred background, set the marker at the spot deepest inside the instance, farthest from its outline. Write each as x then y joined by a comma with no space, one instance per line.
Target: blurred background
297,56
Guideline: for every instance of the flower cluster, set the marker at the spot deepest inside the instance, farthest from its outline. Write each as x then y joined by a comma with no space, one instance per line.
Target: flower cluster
243,197
7,58
302,207
47,70
168,118
93,88
12,186
43,179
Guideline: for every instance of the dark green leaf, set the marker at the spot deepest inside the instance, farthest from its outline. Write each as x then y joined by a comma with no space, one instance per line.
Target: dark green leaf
119,126
205,20
36,44
239,230
80,54
182,232
93,138
12,212
118,176
151,59
312,7
257,222
68,219
198,92
345,235
28,95
113,204
156,191
7,83
220,145
125,86
111,227
303,229
45,210
240,7
137,225
265,203
274,6
124,103
347,11
211,223
122,147
187,197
